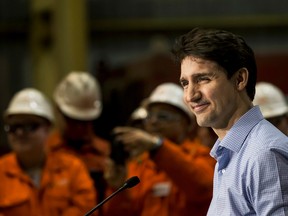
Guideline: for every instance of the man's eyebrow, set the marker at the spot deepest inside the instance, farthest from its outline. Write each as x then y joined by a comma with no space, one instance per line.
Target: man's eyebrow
201,74
198,75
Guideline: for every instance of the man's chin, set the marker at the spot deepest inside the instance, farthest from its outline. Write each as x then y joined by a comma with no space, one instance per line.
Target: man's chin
22,147
202,123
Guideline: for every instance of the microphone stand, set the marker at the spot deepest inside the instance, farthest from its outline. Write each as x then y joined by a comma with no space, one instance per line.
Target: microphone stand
128,184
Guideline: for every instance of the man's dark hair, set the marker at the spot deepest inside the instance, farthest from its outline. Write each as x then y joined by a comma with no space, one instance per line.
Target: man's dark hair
228,50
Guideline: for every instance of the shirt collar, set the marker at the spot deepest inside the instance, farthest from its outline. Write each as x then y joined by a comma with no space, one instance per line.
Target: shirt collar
236,136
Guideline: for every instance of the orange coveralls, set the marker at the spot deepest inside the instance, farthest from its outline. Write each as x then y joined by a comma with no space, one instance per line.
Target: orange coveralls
93,154
65,188
175,182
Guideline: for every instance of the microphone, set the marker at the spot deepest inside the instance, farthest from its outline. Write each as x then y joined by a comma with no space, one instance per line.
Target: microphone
131,182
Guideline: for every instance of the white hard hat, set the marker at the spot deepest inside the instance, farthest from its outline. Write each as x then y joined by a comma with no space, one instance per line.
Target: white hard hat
30,101
170,93
139,113
78,96
270,99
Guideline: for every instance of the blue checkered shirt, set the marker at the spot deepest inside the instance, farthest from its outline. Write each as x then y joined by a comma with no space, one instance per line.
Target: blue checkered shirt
251,174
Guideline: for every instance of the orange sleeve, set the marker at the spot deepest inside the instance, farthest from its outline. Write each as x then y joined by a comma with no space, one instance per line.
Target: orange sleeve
192,173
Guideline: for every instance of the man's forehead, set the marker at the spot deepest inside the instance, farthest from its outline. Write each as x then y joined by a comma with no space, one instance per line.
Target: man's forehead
199,60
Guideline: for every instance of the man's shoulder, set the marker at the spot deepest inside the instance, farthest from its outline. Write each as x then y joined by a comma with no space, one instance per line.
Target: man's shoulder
264,137
264,131
102,145
7,158
54,140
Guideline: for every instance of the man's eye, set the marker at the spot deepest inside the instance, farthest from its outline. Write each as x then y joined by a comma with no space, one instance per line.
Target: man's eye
183,83
202,79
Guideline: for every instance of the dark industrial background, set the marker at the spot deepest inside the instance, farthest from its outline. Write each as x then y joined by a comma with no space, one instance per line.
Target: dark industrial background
125,44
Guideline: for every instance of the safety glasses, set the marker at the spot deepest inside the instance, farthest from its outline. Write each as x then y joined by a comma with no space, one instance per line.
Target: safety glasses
25,128
163,116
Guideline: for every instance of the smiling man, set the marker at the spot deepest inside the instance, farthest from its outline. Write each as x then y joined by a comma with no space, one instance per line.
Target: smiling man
218,75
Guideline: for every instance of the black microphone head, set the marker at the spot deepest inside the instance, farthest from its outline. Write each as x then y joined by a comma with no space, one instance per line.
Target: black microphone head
131,182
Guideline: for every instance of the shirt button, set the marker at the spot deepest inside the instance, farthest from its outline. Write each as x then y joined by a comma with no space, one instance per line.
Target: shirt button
223,171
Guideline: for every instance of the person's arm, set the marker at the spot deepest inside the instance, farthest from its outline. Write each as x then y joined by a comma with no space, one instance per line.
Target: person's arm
193,173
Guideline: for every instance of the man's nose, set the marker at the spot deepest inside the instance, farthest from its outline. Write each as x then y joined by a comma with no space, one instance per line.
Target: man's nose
192,94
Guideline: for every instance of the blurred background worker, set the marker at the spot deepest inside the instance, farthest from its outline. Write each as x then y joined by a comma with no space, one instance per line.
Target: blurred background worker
176,172
33,182
273,105
136,120
78,101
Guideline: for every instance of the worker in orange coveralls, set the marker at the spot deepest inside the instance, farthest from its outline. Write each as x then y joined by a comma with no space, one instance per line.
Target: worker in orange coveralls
78,101
176,173
34,182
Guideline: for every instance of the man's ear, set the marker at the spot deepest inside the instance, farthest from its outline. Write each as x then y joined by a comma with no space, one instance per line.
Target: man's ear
241,78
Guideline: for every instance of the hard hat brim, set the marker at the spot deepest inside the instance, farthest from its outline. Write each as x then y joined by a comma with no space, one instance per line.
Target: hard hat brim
28,112
81,114
277,111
